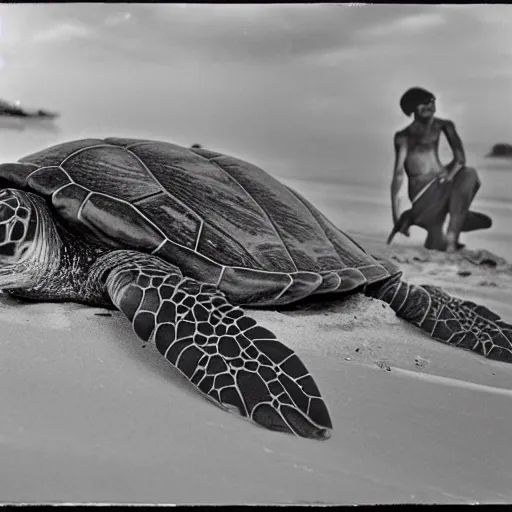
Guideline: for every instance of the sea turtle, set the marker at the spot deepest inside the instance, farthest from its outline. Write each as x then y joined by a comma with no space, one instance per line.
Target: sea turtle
177,239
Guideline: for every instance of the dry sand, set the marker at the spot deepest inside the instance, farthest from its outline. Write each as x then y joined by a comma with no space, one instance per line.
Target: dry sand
90,414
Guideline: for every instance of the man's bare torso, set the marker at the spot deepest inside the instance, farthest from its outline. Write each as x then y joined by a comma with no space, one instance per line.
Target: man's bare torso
422,163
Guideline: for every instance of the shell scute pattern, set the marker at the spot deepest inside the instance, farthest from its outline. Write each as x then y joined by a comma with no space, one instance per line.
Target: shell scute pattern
57,154
119,222
228,215
91,177
112,170
205,211
306,245
46,180
178,223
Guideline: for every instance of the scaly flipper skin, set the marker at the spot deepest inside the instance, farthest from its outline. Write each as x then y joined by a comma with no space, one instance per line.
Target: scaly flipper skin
460,323
222,351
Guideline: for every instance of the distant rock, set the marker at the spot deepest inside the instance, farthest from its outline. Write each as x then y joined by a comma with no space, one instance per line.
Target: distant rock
501,150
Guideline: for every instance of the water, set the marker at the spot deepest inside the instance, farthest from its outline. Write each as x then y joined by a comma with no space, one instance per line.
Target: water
356,198
362,206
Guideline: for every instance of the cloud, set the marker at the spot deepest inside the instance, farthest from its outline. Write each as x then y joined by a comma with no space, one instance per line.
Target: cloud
62,32
255,34
309,88
409,25
117,19
73,29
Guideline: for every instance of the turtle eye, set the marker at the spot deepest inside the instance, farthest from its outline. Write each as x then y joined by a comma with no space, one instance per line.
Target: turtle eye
22,250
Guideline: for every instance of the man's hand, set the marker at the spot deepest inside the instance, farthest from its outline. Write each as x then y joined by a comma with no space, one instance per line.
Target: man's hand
443,175
405,230
448,173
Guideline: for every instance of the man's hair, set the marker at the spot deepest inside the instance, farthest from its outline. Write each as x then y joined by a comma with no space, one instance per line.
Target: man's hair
413,97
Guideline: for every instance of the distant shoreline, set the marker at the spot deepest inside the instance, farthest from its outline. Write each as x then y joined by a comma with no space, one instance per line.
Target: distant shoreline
500,150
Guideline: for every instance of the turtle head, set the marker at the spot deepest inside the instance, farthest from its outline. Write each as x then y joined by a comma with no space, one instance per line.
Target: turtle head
28,239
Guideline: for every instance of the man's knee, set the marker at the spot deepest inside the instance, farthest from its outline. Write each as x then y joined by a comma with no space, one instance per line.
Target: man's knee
471,174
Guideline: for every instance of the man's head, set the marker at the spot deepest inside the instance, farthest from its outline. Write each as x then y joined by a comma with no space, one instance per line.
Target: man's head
418,101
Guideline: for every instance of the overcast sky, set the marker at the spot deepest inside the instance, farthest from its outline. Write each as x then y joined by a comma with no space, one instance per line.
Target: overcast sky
303,90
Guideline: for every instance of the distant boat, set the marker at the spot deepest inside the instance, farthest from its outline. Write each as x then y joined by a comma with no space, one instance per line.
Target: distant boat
15,117
501,150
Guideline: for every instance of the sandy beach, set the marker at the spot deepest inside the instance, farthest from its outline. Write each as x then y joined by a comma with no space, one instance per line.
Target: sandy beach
90,415
310,93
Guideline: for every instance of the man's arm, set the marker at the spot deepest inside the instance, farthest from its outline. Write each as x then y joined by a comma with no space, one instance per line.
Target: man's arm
398,182
455,142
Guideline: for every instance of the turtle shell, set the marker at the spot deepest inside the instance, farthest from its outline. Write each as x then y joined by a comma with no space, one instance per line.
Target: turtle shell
220,219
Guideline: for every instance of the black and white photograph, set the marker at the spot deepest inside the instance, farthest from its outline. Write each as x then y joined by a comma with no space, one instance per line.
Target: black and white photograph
255,254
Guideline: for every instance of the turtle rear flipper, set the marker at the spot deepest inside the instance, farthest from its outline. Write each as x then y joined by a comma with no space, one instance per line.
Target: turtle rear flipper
223,352
459,322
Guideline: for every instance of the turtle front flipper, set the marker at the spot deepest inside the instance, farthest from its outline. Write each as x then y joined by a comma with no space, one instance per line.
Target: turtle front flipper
222,351
459,322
